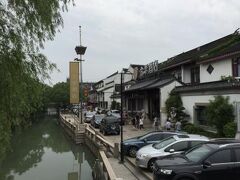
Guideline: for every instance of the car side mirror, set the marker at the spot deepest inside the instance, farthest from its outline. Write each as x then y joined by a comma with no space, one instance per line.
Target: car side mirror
145,140
171,150
207,164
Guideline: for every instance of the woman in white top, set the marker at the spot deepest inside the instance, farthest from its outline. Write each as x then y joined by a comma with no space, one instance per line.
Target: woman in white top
141,123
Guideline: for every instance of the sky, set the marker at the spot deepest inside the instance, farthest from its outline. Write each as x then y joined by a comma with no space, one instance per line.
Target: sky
118,33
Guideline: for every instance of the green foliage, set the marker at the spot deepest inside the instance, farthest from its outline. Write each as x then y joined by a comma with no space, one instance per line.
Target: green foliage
219,112
174,101
227,78
115,105
192,129
59,94
24,27
235,37
230,129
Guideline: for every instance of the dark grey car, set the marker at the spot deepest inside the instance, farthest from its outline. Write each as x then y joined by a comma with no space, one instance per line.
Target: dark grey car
110,125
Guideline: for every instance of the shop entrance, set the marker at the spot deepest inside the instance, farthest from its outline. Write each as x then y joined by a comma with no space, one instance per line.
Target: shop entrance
153,104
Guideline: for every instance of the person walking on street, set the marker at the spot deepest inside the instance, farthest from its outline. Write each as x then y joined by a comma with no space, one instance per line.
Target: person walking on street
156,124
178,126
137,121
141,123
168,125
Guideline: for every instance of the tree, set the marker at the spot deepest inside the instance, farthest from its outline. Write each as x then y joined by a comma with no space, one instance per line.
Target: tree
59,94
174,103
24,27
220,112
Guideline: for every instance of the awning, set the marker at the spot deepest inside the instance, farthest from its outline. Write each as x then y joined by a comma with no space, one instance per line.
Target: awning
159,83
141,85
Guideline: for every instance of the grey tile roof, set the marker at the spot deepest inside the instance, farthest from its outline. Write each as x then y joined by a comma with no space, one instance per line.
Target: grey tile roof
209,86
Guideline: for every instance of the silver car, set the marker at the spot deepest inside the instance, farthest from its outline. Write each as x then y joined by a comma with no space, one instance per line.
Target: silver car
89,116
147,155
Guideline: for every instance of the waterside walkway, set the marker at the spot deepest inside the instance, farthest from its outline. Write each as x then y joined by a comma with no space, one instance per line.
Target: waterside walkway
106,148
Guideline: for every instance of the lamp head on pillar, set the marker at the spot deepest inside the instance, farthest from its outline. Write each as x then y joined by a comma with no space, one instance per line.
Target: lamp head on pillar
80,50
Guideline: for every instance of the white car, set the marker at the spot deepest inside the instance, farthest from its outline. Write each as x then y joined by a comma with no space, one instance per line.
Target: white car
116,113
89,116
147,155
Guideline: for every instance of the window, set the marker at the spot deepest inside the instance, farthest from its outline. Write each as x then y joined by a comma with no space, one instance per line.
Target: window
237,153
236,67
201,115
140,104
164,143
194,143
179,146
195,75
154,137
220,157
167,135
198,153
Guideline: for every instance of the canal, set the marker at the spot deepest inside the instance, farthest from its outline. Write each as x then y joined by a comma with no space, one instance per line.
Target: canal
44,152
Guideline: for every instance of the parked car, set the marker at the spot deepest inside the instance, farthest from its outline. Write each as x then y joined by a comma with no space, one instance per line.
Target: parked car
89,116
131,146
116,113
212,160
96,120
147,155
110,125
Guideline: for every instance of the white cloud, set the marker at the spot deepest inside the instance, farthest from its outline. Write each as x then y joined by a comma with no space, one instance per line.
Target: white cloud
120,32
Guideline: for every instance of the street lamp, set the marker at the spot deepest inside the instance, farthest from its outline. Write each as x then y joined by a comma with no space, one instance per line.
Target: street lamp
80,50
121,91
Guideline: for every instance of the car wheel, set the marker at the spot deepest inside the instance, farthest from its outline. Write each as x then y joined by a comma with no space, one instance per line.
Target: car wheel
151,164
132,152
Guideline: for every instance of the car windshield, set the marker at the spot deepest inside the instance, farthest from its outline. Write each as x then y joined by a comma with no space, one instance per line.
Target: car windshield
90,113
198,153
98,118
164,143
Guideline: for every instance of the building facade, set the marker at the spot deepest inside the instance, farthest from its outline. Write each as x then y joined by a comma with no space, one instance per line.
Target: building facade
197,75
108,89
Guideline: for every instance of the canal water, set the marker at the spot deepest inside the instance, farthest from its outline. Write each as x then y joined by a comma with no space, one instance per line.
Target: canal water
44,152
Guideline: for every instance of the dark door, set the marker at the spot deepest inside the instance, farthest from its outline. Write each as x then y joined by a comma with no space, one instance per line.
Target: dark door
221,167
153,104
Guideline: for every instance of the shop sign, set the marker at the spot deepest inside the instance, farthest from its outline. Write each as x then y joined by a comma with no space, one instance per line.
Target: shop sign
149,68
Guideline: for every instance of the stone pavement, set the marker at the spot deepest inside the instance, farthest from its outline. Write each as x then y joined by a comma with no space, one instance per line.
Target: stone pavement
126,171
129,132
121,171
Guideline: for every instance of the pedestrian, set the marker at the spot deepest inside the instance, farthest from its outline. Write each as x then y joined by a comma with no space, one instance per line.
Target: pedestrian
137,118
168,125
134,121
141,123
178,126
156,123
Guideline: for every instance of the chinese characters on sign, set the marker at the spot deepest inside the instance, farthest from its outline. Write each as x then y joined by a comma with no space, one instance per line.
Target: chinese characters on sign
149,68
74,82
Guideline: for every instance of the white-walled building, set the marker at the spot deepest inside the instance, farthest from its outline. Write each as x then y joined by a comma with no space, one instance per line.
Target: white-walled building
197,75
204,72
108,89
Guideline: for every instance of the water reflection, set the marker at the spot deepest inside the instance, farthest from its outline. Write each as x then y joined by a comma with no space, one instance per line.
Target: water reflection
44,152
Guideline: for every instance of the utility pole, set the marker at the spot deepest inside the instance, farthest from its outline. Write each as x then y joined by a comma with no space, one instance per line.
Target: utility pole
80,50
